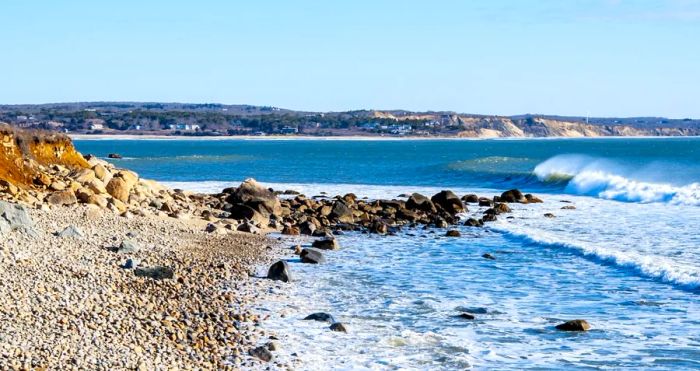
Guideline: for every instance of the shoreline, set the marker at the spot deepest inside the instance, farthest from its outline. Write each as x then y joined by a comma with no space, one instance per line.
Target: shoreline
96,137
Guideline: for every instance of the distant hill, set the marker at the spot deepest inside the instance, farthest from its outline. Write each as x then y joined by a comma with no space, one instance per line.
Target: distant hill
220,119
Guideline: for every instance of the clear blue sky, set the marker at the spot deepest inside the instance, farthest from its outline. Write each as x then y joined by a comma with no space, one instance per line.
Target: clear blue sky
603,57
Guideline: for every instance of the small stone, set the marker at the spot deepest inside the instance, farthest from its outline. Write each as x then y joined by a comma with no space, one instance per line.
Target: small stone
71,231
130,264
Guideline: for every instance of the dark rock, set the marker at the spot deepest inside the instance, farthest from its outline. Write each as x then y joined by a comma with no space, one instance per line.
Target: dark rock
326,244
280,272
262,353
255,196
512,196
312,256
453,233
568,207
130,264
156,273
114,155
471,198
466,315
341,212
488,256
472,222
549,215
489,218
419,202
320,316
290,192
574,325
378,227
483,201
502,208
449,202
248,228
307,228
245,212
291,230
532,199
339,327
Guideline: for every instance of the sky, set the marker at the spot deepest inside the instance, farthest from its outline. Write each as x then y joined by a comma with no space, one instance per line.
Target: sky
577,57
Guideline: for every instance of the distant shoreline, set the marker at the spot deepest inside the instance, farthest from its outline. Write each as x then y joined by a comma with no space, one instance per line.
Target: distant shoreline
339,138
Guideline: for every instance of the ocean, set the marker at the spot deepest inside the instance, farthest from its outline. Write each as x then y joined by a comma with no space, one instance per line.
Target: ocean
626,259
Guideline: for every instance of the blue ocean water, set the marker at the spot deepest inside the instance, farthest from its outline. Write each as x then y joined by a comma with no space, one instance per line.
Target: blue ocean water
627,259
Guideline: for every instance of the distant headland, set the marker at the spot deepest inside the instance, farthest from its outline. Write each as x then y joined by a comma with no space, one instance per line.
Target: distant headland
220,120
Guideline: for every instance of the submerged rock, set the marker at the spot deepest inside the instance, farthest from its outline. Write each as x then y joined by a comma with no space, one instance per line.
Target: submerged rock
312,256
472,222
320,316
574,325
326,244
466,315
488,256
338,327
513,196
261,353
453,233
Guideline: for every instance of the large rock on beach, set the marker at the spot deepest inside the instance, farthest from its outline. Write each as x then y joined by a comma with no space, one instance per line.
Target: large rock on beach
449,202
62,198
14,216
419,202
257,197
280,272
341,212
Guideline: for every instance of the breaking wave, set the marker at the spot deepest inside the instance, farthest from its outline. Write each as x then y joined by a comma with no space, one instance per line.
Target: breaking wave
654,267
602,178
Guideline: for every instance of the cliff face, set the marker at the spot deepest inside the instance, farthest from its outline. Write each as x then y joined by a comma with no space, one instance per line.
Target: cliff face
24,153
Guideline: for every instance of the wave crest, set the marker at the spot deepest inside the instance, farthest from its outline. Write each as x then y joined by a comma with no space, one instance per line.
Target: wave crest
589,176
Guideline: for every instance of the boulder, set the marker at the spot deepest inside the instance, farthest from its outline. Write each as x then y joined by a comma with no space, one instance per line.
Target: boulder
449,202
312,256
118,188
483,201
453,233
326,244
248,228
114,155
156,273
280,272
421,203
512,196
532,199
488,256
502,208
470,198
466,315
320,316
472,222
549,215
568,207
255,196
14,216
245,212
574,325
379,227
62,198
341,212
291,230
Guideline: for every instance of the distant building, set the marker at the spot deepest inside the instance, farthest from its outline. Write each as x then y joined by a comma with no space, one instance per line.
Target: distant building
96,126
289,130
184,127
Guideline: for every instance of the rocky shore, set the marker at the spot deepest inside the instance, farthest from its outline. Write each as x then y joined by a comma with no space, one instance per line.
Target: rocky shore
102,269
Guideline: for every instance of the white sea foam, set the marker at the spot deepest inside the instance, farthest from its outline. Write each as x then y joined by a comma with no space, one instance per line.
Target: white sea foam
653,266
605,179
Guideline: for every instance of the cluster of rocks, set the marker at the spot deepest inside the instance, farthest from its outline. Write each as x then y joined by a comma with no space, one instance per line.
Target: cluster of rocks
255,208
